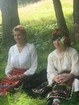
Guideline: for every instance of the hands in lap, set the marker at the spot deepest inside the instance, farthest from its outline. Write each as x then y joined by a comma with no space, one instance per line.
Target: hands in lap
61,78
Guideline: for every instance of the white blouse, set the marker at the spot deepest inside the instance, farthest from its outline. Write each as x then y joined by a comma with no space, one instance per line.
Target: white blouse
26,59
68,60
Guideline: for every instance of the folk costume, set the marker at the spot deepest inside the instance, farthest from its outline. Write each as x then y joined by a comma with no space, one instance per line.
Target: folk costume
19,63
66,62
64,59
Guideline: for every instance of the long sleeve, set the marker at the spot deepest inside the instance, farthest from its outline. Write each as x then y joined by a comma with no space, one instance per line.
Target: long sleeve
51,72
33,58
9,66
67,61
75,63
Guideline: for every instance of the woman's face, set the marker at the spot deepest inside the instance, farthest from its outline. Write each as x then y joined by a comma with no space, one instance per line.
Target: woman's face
18,37
57,44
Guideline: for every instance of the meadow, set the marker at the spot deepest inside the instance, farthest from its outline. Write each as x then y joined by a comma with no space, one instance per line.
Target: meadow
39,20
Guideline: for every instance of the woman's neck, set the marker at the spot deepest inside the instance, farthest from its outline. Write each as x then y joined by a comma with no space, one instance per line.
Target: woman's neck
21,44
62,49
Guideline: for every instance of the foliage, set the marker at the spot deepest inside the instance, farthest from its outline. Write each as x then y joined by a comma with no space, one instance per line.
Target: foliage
41,33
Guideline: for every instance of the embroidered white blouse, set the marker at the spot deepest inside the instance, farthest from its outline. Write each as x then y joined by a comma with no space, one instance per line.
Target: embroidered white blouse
68,60
26,59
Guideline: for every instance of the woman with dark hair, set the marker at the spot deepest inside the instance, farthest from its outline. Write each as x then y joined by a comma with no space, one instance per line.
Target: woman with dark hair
22,62
63,66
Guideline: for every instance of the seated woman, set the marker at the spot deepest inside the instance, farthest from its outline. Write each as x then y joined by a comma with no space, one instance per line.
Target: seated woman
63,66
22,62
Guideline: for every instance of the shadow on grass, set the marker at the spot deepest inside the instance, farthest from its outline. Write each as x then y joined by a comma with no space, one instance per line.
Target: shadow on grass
24,2
4,100
73,101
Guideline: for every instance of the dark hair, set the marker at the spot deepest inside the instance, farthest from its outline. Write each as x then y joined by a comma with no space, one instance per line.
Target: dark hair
60,33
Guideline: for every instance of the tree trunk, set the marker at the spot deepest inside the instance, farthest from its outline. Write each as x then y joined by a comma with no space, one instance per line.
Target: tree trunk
76,16
59,15
10,19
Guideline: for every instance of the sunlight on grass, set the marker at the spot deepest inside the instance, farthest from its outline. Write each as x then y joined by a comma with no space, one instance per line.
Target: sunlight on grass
36,11
67,6
68,3
24,99
44,10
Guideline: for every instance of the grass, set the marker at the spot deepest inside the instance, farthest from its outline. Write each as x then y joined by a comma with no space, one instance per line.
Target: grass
37,11
0,18
21,99
39,20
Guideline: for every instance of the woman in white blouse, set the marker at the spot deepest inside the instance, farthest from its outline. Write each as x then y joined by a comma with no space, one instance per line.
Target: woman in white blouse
22,59
63,66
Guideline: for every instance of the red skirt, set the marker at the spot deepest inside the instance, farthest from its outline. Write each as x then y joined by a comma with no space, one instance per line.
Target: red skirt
7,84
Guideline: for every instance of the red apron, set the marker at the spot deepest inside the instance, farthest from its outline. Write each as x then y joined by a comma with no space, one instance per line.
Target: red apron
6,84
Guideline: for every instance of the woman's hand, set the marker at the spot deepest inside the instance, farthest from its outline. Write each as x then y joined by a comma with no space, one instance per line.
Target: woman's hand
65,77
9,76
61,78
58,78
22,76
16,77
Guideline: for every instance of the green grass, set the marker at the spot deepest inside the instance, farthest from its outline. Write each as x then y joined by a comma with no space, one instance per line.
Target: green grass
0,18
39,20
37,11
21,99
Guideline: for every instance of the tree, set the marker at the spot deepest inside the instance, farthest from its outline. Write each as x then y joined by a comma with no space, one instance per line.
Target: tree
59,15
10,19
76,16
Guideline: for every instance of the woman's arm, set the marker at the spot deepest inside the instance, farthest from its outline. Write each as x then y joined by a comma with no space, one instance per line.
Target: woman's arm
51,72
9,67
75,63
33,61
